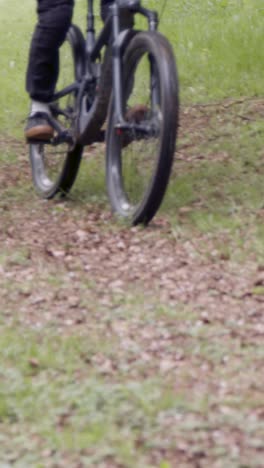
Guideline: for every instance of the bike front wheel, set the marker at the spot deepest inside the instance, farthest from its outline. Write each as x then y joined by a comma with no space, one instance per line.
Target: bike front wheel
55,166
139,154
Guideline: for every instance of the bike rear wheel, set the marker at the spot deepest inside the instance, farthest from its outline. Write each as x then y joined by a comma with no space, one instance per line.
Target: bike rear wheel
139,159
55,166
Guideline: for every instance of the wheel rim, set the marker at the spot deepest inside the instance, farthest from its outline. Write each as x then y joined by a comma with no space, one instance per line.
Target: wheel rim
48,160
136,153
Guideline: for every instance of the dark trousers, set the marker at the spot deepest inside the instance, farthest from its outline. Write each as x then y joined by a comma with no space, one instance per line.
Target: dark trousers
54,19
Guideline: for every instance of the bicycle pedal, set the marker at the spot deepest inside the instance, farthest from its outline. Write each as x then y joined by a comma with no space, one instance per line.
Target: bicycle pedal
62,137
35,141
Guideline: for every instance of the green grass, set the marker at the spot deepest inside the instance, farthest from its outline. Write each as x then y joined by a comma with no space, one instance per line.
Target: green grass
217,183
219,54
139,381
69,398
217,44
218,47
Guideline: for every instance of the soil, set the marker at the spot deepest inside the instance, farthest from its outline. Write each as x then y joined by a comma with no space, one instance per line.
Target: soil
87,243
63,264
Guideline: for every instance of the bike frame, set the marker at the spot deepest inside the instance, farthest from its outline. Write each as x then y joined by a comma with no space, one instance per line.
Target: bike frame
111,32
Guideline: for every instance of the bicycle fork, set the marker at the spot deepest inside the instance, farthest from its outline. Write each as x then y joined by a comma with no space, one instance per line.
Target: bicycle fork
119,38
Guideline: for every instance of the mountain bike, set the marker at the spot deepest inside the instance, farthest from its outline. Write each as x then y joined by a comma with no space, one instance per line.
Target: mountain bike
121,85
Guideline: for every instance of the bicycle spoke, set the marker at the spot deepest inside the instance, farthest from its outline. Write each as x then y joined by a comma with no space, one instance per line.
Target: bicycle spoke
139,156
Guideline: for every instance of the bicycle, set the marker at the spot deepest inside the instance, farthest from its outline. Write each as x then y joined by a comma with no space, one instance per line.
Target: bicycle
128,77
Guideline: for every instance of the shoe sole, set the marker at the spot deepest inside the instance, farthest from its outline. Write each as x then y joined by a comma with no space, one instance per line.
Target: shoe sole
41,132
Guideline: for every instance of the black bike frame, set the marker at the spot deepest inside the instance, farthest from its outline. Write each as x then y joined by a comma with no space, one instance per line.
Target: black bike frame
110,32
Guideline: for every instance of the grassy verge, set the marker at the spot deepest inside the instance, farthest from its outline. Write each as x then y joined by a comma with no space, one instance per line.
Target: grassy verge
140,348
109,399
217,44
217,184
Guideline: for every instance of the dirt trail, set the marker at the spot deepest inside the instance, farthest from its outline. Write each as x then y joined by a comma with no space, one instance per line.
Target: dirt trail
192,311
42,238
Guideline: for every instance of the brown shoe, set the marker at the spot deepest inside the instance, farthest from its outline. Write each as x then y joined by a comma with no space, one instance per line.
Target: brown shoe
137,113
39,128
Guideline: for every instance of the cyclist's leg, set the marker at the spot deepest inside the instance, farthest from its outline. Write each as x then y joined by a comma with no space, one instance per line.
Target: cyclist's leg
54,18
